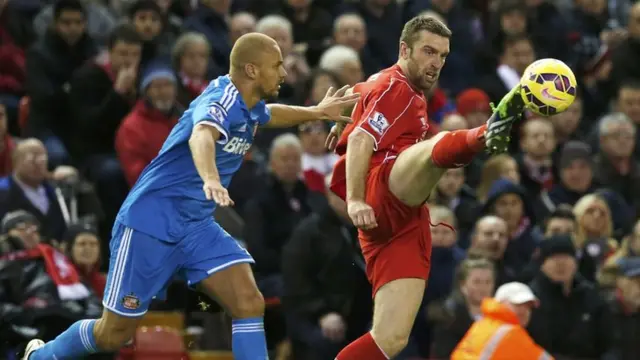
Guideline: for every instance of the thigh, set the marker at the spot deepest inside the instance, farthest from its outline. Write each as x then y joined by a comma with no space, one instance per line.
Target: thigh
140,267
210,249
396,305
414,175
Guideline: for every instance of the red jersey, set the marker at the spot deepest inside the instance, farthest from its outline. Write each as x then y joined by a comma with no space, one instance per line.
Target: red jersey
392,112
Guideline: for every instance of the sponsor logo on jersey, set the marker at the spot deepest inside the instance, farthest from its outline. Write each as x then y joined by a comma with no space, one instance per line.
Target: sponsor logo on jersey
237,145
378,123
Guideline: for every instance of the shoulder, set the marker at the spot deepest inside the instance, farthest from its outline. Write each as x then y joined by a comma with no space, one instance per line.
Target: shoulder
220,93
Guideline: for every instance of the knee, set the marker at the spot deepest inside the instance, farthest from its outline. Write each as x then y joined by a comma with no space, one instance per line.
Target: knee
111,337
248,305
391,339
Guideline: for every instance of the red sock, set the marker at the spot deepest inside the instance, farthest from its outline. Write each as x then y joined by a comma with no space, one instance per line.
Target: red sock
457,148
363,348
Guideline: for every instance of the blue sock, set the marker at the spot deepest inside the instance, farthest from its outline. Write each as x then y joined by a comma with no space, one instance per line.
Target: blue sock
248,341
76,342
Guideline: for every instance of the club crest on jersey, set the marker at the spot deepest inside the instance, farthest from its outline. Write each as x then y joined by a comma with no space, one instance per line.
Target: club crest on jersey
216,112
378,123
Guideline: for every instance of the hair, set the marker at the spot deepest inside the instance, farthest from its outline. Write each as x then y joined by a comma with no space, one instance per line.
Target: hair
629,84
413,27
563,211
491,171
579,210
274,22
442,214
284,140
145,5
507,6
616,118
124,33
433,14
336,56
337,22
67,5
310,81
184,41
510,40
470,264
538,119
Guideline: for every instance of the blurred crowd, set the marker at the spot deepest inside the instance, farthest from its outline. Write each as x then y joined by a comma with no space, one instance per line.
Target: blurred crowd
89,90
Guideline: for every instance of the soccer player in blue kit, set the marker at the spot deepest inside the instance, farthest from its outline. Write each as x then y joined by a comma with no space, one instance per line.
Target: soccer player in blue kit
165,225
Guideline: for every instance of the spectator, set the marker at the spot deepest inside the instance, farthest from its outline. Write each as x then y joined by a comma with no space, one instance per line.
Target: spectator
575,167
7,144
509,202
561,221
344,62
145,129
350,30
281,30
99,19
627,55
474,105
101,96
241,23
147,18
17,35
628,102
452,192
452,122
568,125
535,163
29,188
190,58
51,62
498,166
614,165
573,320
593,237
317,163
209,20
274,212
317,86
624,304
82,246
327,298
501,333
475,281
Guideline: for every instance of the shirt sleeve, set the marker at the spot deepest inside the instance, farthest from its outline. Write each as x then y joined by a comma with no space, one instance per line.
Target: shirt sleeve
216,111
382,112
264,114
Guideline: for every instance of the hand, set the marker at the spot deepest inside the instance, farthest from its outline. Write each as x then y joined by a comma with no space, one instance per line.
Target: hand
213,190
361,215
126,80
333,327
334,136
64,172
335,102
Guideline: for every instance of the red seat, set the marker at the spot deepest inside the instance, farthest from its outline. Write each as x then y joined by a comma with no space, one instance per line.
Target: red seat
155,343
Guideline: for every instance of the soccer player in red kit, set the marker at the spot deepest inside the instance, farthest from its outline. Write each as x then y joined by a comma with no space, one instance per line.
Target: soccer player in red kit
387,170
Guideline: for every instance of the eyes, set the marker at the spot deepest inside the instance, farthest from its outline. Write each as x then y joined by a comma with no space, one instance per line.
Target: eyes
429,51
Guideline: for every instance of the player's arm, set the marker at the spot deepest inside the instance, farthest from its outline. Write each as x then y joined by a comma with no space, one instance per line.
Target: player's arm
203,150
330,108
360,147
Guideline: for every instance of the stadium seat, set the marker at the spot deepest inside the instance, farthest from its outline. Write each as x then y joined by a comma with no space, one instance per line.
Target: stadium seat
170,319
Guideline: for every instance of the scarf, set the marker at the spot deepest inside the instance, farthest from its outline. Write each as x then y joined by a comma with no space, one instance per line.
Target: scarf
193,86
59,268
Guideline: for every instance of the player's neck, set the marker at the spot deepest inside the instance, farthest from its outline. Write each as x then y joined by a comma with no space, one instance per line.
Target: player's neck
246,90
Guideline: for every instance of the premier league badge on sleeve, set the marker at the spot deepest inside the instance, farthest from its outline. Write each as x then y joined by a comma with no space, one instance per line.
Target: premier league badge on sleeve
378,123
217,113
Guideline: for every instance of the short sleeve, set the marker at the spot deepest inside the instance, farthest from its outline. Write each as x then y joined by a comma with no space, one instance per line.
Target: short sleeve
264,114
383,108
216,114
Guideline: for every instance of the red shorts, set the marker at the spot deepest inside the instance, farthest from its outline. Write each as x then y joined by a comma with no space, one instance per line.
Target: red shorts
400,247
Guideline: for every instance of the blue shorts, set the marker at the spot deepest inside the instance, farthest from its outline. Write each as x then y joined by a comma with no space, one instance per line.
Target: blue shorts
142,266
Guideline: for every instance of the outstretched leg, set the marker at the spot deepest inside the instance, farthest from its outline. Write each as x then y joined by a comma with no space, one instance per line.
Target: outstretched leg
418,169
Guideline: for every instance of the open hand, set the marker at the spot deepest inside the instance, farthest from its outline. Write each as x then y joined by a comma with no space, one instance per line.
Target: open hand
213,190
335,102
362,215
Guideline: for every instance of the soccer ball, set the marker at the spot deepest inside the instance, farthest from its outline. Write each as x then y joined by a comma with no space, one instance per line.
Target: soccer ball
548,87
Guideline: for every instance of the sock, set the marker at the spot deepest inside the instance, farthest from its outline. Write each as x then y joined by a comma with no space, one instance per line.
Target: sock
247,339
457,148
364,347
77,342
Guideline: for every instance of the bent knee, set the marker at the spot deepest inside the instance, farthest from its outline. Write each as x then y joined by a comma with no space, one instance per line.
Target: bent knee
247,305
391,341
110,337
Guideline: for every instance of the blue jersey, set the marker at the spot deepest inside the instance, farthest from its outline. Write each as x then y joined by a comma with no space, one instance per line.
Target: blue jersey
167,201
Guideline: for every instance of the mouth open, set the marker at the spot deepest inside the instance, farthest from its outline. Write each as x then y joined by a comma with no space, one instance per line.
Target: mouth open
431,76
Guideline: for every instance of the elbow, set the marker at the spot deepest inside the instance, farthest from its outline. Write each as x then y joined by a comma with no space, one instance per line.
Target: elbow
360,139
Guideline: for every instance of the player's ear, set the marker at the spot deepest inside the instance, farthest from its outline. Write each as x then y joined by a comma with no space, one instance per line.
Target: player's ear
404,50
251,70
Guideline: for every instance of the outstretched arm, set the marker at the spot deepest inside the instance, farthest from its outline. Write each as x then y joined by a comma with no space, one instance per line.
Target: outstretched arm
330,108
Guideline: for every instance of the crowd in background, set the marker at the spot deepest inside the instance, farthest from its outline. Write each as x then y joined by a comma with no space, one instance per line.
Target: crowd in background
89,90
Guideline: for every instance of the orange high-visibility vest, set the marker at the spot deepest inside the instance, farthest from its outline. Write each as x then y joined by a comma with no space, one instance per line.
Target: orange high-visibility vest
498,335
